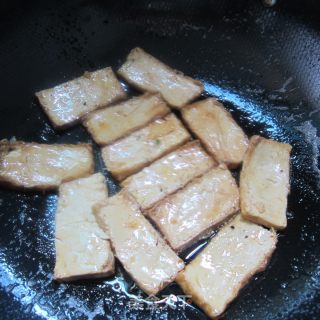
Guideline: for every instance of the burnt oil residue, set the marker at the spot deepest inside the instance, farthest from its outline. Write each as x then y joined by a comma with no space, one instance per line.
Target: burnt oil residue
262,63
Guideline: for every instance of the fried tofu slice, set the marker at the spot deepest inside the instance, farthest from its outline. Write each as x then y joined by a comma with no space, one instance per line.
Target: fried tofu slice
130,154
197,209
37,166
115,122
82,247
215,277
218,132
168,174
137,245
66,103
147,73
264,182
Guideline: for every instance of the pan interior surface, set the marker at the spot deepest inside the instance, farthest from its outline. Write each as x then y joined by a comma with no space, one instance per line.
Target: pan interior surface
262,63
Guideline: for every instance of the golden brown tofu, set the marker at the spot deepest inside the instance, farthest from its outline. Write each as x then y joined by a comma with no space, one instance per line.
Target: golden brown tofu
82,247
168,174
217,131
115,122
137,245
66,103
215,277
264,182
197,209
43,166
149,74
130,154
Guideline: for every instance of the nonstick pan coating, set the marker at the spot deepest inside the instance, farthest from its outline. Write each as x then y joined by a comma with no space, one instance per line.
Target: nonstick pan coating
263,63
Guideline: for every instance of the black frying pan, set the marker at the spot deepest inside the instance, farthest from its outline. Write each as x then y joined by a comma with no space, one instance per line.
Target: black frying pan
263,63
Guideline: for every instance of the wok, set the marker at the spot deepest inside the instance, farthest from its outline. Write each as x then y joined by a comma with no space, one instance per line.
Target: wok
262,62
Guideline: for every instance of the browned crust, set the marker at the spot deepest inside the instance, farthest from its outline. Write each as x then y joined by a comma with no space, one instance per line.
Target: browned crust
137,87
57,126
147,210
210,230
152,213
102,143
6,146
122,174
123,75
79,119
230,165
262,221
124,183
254,142
188,289
187,145
148,292
128,197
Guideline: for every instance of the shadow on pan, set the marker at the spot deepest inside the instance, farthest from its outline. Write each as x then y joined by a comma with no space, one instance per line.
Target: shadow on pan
263,63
